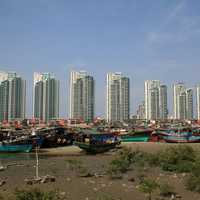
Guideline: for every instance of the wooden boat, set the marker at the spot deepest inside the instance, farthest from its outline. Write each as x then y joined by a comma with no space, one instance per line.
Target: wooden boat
138,135
129,138
16,146
55,137
97,143
181,139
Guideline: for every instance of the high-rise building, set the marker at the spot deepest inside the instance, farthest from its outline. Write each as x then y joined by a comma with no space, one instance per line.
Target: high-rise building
155,100
189,104
179,101
198,101
45,97
12,96
163,102
183,102
141,111
117,98
151,93
81,96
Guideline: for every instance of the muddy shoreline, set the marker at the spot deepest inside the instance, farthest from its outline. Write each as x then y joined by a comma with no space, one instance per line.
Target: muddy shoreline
74,187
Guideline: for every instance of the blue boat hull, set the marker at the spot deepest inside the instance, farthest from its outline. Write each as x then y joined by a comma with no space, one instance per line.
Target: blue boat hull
16,148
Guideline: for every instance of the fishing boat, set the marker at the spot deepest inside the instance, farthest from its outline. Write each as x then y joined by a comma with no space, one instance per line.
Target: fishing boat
138,135
132,138
54,137
16,146
97,143
181,139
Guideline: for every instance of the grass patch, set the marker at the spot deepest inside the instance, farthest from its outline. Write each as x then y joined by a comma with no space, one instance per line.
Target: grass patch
36,194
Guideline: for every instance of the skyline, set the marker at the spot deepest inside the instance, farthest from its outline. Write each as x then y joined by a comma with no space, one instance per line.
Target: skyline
144,40
44,77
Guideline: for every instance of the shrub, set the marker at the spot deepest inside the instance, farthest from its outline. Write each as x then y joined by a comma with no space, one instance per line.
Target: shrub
178,158
74,164
148,186
166,190
193,183
36,194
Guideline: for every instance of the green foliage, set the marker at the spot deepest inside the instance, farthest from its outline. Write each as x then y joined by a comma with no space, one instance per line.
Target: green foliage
74,164
36,194
121,164
104,197
178,158
148,186
166,190
193,183
78,167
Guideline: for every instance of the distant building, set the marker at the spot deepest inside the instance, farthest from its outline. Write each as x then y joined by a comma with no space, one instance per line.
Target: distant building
183,102
45,97
12,96
163,109
179,104
155,100
198,101
141,111
117,98
189,104
81,96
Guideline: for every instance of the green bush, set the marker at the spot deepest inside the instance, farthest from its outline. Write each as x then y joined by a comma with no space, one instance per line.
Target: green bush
178,158
166,190
193,183
148,186
36,194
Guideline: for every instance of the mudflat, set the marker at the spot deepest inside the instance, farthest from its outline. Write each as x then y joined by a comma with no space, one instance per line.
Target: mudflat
55,162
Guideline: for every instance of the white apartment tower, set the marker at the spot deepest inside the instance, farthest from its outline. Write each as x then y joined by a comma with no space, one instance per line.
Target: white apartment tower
155,100
151,95
12,96
81,96
179,101
117,98
45,97
183,102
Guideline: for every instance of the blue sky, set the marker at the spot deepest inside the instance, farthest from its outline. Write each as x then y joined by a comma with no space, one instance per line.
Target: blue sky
143,39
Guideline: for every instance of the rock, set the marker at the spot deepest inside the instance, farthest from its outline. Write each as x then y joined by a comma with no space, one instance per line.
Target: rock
86,175
103,185
177,196
48,179
2,183
95,189
174,176
131,179
2,168
124,185
62,194
69,179
98,175
92,182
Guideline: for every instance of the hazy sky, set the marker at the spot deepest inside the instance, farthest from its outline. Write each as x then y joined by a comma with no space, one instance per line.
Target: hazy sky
143,39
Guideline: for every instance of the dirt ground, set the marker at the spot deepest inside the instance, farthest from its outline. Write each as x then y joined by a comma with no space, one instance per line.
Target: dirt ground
89,188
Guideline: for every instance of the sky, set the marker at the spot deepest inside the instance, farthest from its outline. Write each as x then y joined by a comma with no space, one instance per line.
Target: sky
143,39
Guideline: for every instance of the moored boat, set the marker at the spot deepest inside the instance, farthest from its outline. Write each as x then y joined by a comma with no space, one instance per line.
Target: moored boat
14,147
97,143
182,139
